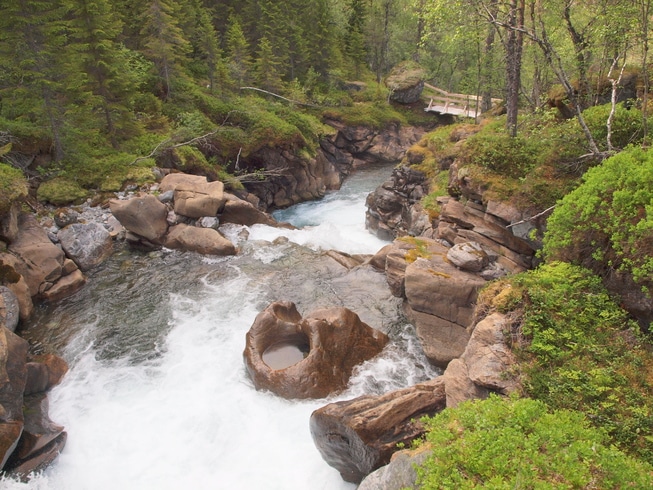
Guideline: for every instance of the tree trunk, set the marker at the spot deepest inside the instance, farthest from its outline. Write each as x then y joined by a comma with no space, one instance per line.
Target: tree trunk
514,45
486,73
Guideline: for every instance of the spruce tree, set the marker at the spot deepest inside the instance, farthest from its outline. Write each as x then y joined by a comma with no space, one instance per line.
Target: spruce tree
98,59
266,67
33,78
164,44
355,45
238,57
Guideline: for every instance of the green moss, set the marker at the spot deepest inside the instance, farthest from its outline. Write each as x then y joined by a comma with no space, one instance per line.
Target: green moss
376,115
61,191
13,186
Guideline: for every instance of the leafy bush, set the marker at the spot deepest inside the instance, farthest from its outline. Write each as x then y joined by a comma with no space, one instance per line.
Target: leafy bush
501,153
579,350
518,443
607,222
13,186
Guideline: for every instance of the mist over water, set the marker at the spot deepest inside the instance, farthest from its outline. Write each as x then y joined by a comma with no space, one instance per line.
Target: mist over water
157,396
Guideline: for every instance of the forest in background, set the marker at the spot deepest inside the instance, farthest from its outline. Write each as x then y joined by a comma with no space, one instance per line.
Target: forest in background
89,88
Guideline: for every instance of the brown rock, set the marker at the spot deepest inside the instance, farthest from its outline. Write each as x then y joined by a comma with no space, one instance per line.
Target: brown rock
334,340
171,181
9,223
40,260
39,430
13,374
44,372
458,386
65,286
199,200
12,279
360,435
145,216
243,213
201,240
22,468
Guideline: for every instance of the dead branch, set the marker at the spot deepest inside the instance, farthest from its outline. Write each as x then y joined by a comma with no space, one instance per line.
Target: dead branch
532,217
278,96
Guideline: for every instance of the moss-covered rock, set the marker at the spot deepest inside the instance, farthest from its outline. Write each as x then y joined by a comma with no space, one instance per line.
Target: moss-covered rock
61,191
13,186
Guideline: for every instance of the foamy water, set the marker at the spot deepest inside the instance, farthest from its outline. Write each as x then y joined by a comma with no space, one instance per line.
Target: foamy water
157,396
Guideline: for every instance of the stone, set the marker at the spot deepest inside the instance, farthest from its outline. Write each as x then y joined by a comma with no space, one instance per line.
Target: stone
40,260
23,468
330,343
243,213
201,240
65,216
44,372
13,375
9,309
399,474
87,244
144,216
171,181
358,436
199,199
65,286
458,386
9,223
38,430
468,256
12,279
406,82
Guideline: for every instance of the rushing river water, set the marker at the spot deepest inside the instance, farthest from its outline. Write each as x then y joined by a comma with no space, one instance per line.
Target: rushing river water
157,396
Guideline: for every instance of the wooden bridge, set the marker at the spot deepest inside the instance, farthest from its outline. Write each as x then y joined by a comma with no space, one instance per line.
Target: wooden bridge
445,102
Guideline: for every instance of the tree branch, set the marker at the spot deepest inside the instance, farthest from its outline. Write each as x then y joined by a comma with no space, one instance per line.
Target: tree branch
532,217
279,96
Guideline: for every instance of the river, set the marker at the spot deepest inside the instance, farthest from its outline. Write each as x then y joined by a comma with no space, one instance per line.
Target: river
157,396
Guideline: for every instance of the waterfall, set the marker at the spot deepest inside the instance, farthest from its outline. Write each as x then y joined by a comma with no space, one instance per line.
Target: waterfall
157,396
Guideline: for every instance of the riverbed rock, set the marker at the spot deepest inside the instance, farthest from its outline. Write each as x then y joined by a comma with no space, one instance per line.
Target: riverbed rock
64,287
487,365
87,244
242,212
334,341
197,200
399,474
360,435
468,256
41,261
9,223
9,309
11,279
144,216
13,374
201,240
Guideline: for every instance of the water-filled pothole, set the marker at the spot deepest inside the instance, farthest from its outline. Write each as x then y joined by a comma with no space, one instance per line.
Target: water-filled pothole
284,354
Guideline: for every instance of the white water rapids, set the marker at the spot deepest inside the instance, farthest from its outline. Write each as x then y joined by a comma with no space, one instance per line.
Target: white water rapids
157,396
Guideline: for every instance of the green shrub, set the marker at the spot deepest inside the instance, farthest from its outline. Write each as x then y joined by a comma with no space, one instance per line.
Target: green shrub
374,115
518,443
61,191
579,350
501,153
13,186
607,222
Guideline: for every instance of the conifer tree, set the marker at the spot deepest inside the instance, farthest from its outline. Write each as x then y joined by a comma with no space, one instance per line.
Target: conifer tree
164,44
97,58
355,36
266,67
207,47
238,57
32,77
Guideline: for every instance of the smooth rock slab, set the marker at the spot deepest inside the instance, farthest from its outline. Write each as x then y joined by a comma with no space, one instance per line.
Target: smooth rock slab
336,340
145,216
200,240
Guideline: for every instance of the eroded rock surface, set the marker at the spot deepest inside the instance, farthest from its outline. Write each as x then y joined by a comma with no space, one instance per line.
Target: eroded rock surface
334,341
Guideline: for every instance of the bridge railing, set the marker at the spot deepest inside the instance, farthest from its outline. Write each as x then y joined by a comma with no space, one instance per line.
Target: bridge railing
457,104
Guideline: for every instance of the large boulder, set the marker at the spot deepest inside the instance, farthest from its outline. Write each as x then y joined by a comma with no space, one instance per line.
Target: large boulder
87,244
406,82
360,435
41,261
244,213
200,240
41,441
13,375
14,281
311,357
9,308
439,297
144,216
399,474
197,200
486,366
